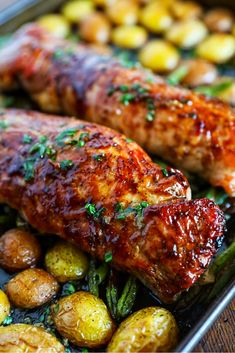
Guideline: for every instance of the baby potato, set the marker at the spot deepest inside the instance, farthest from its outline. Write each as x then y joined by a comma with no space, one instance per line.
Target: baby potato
156,17
187,34
19,250
56,24
129,37
151,329
83,319
66,262
22,338
31,288
183,10
95,28
74,11
4,306
218,48
122,12
219,20
199,72
159,56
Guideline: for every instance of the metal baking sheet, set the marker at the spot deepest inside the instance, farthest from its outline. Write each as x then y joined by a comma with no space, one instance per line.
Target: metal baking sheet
14,13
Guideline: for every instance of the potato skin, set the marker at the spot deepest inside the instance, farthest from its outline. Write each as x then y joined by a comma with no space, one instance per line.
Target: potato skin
66,262
4,306
31,288
19,250
151,329
21,338
83,319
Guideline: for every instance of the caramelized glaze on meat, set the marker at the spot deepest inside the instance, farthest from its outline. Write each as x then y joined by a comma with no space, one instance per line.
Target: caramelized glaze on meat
193,132
91,186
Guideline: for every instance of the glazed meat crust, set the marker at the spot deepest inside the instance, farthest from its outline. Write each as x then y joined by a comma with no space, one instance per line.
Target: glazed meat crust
191,131
91,186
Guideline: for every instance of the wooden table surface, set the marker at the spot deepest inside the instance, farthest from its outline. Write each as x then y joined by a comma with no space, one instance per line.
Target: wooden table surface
221,337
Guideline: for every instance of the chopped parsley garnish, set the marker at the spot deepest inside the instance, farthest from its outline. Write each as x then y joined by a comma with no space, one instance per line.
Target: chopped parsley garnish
28,167
140,208
165,172
93,211
27,139
70,132
82,139
99,157
37,150
3,125
122,212
127,98
177,75
66,164
108,256
62,54
129,140
134,93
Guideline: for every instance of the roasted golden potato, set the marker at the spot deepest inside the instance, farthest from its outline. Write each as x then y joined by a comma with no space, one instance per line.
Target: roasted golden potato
185,9
187,34
74,11
155,17
122,12
83,319
22,338
219,20
130,37
95,28
4,306
19,250
218,48
56,24
199,72
31,288
66,262
151,329
159,56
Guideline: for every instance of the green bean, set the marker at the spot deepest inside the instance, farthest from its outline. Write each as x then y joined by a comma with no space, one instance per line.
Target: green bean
127,299
176,76
112,295
96,276
215,89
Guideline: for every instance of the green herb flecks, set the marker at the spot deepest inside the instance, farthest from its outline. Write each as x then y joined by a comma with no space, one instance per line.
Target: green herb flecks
28,167
98,157
127,98
93,211
165,172
175,77
27,139
108,256
70,132
63,55
66,164
122,213
214,90
135,93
